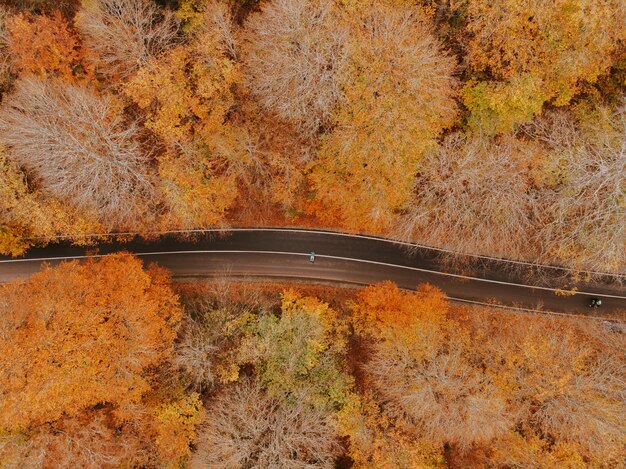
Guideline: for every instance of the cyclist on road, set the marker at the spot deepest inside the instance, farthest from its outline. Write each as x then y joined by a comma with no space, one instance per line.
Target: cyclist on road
312,257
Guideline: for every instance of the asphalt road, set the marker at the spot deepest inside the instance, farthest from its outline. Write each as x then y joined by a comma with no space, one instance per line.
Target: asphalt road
276,253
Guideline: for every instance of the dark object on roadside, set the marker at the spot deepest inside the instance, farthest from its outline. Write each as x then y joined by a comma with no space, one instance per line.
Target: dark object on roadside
595,303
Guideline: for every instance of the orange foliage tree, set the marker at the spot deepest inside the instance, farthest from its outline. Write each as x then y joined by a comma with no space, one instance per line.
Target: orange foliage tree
81,349
104,324
45,46
80,343
384,305
563,387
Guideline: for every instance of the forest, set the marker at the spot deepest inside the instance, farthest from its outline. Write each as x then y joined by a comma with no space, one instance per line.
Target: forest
483,127
106,363
480,127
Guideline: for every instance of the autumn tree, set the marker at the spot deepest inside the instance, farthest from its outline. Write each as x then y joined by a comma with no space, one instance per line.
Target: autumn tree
376,438
246,427
77,147
27,217
6,63
88,395
582,180
186,94
122,35
399,95
516,451
205,349
473,195
67,7
423,369
535,52
563,388
45,46
197,193
296,56
383,305
121,318
301,354
87,441
174,428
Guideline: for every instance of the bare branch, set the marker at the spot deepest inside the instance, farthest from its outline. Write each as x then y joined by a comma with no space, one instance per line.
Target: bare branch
78,149
121,35
247,428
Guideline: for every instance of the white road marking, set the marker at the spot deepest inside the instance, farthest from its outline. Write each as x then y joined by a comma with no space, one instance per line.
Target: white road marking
418,269
335,233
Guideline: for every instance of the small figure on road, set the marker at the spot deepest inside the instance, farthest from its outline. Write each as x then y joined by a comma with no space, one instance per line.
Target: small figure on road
312,257
595,303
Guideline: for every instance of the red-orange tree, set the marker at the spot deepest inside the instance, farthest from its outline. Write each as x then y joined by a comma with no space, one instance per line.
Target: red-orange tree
78,335
45,46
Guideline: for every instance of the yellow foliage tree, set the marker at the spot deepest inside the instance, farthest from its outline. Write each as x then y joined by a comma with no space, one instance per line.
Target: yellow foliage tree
398,96
300,355
186,94
27,217
536,51
379,441
196,193
176,428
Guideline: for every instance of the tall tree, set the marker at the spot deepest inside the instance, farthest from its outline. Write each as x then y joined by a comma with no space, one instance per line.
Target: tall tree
245,426
582,181
45,46
534,52
186,94
77,335
121,35
77,147
563,387
295,57
399,95
300,355
474,195
422,367
28,217
80,346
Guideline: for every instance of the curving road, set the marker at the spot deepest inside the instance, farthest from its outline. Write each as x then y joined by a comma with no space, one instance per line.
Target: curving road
341,258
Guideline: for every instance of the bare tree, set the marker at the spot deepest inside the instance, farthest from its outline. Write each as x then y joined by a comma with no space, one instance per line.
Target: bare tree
206,346
245,427
217,28
472,196
78,149
439,391
6,64
296,53
562,383
121,35
586,206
